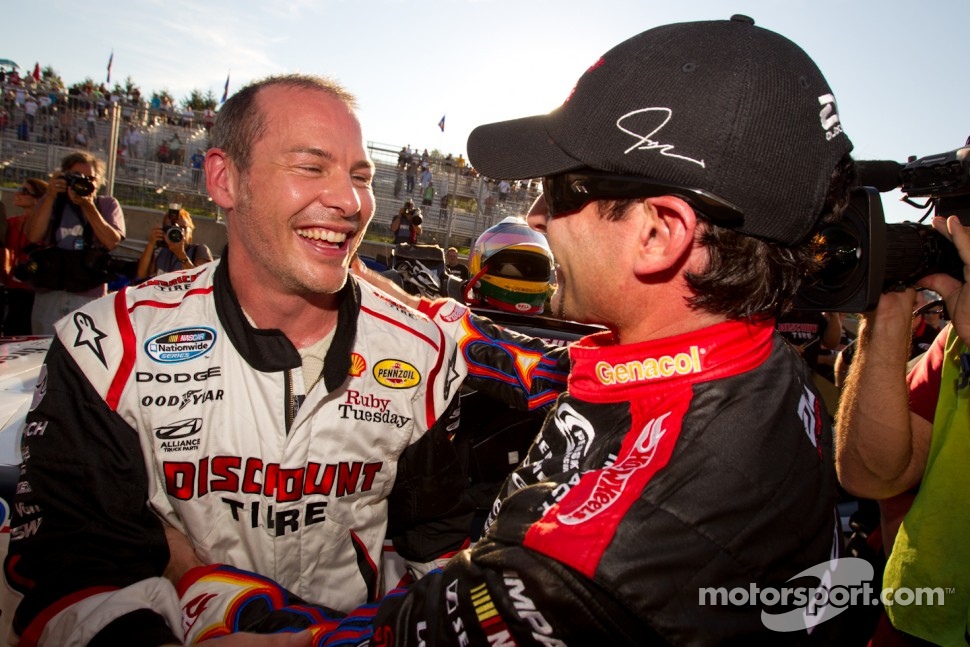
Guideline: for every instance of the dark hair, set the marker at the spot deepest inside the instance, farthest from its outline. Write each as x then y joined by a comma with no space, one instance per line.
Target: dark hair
748,277
751,278
37,187
83,157
240,122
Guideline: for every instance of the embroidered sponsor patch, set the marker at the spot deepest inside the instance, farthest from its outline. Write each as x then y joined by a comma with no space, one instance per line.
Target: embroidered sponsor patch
180,345
396,374
357,365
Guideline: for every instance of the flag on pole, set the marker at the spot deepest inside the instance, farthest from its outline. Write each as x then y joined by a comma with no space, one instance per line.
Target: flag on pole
111,60
225,91
441,124
36,71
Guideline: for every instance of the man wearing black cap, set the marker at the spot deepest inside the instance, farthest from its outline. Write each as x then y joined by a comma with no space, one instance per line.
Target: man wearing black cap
689,465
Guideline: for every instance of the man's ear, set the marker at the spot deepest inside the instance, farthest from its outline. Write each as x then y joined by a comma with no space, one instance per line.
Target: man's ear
220,178
667,235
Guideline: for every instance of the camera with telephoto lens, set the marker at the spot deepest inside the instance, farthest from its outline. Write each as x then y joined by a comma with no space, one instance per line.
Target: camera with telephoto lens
864,257
172,232
79,183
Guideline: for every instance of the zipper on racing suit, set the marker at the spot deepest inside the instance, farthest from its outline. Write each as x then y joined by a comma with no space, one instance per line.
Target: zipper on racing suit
291,405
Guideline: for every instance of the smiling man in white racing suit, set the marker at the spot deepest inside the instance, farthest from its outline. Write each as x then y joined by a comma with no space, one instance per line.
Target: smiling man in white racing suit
171,403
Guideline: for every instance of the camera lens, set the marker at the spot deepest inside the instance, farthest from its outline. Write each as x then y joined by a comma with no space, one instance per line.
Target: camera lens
173,235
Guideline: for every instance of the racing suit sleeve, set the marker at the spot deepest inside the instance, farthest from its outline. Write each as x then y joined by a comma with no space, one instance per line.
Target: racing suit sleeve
523,372
86,550
491,594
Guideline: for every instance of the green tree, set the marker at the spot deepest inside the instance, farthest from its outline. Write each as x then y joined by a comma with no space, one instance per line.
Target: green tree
129,89
198,101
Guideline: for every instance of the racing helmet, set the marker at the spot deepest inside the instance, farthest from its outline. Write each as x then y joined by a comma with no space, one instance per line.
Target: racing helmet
511,266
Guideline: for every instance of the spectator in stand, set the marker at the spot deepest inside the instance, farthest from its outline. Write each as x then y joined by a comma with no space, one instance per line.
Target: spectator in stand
164,153
208,118
73,218
196,162
167,253
92,121
80,139
23,130
427,196
503,190
30,110
489,205
411,173
132,141
453,265
20,295
899,431
177,152
426,177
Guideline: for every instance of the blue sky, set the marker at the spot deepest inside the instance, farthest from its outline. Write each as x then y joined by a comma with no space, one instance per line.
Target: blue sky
898,69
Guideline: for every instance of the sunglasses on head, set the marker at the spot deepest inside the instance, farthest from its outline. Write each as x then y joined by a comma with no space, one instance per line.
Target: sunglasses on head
569,192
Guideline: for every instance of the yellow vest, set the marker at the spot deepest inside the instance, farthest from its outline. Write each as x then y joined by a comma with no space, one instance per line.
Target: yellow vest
932,549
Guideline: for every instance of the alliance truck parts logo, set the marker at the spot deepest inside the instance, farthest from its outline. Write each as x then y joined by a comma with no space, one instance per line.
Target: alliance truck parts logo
180,345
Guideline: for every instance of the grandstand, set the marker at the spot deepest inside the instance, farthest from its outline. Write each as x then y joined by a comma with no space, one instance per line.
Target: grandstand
142,178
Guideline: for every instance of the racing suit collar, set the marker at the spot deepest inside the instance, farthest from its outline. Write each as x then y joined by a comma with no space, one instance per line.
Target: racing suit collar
606,371
269,350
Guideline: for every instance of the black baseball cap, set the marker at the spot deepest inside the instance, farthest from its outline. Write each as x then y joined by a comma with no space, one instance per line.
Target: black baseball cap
723,106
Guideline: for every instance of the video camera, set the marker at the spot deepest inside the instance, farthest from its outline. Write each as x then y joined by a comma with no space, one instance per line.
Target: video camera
864,257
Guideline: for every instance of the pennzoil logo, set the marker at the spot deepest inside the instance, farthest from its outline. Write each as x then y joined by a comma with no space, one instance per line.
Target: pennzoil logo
651,368
395,374
357,365
180,345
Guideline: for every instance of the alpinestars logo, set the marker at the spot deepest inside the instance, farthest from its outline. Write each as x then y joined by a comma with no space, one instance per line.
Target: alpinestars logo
829,117
89,335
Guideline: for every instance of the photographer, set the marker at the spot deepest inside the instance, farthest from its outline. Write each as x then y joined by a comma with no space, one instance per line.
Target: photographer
170,247
897,432
406,226
84,227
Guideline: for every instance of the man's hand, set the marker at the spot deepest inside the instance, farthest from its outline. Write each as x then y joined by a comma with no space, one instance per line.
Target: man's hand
955,294
182,556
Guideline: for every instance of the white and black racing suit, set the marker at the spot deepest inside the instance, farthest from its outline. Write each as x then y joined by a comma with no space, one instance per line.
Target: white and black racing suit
672,480
162,401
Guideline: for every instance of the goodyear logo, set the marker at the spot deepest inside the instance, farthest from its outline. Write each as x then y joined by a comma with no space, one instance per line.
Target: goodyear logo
180,345
651,368
396,374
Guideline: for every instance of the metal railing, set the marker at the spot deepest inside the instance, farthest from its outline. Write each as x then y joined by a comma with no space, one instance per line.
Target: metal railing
464,204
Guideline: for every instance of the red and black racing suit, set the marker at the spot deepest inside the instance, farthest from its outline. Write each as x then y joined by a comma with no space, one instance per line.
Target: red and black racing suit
672,474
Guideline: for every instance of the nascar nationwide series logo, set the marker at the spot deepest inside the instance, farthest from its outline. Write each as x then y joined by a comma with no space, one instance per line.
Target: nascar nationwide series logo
396,374
180,345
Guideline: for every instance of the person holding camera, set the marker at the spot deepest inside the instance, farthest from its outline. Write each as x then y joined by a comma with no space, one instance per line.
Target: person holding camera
170,247
406,225
901,432
79,228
